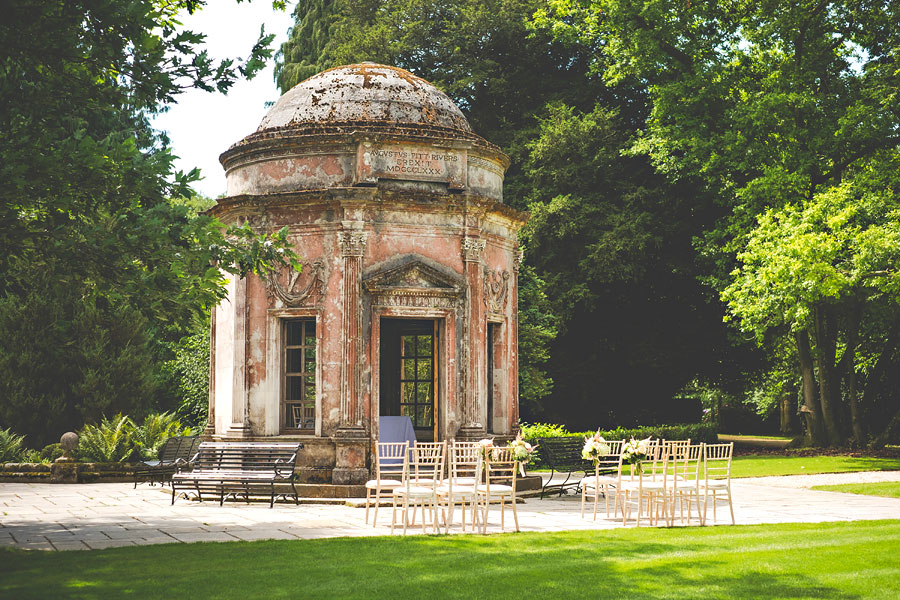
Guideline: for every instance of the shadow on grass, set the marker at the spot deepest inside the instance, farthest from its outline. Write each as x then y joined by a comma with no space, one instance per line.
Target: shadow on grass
739,562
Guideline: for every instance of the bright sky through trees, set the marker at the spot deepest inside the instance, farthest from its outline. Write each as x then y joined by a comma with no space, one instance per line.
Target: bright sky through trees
203,125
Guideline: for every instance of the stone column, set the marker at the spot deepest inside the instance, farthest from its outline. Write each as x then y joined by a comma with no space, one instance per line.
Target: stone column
240,415
473,336
518,257
351,438
210,430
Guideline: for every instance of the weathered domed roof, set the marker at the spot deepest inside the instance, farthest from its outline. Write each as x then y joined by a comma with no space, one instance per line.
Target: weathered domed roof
364,93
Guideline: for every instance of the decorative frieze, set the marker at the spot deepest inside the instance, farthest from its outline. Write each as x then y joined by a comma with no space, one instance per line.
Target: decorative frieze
472,249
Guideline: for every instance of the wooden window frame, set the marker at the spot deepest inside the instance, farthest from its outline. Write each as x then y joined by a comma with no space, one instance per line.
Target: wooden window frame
287,406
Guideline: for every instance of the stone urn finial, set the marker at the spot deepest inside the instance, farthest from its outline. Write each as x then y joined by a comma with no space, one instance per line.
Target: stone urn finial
68,441
64,469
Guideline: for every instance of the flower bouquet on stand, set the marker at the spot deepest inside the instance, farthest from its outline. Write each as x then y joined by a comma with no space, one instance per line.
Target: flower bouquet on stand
635,453
595,448
522,451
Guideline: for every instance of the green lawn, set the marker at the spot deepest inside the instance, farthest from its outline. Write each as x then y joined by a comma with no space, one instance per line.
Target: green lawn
765,465
829,560
888,489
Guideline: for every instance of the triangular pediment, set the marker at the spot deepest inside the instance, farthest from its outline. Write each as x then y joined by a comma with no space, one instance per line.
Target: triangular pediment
414,274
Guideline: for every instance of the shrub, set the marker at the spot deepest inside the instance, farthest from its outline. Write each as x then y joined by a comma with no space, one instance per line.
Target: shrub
696,432
10,446
32,456
157,428
110,441
51,452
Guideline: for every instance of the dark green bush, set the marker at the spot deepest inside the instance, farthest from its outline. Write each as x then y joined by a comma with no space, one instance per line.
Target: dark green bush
696,432
10,445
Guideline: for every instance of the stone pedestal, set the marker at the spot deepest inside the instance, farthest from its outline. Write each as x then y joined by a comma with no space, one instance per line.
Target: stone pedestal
471,433
64,470
351,452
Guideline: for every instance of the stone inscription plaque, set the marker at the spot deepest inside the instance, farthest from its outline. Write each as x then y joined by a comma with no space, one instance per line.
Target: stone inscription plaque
410,162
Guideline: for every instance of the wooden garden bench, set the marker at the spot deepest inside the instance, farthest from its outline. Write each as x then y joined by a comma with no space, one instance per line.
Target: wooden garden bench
238,469
173,452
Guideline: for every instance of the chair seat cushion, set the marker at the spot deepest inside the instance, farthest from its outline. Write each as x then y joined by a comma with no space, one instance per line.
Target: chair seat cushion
602,481
384,483
496,489
415,491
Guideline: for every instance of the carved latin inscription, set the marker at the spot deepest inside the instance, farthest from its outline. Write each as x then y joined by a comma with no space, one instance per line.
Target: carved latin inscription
410,162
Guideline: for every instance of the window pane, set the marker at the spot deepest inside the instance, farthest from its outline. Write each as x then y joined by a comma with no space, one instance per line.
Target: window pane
311,354
409,368
428,418
423,392
424,370
295,361
294,333
408,345
421,418
309,416
310,332
407,392
294,417
408,410
423,343
310,392
293,388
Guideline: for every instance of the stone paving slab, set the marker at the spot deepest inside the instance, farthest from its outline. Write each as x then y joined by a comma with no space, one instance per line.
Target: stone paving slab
43,516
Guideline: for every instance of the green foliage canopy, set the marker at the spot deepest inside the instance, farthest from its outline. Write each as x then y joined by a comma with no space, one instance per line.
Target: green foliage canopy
84,213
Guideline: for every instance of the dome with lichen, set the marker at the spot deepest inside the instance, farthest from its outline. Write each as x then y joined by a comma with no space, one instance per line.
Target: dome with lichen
365,93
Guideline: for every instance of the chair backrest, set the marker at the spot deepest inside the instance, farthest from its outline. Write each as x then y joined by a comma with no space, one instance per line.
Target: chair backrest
465,461
675,453
391,460
611,462
427,463
263,457
653,464
500,468
176,447
717,460
686,462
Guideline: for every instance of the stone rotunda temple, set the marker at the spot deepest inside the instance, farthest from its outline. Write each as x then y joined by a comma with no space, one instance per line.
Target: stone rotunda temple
406,305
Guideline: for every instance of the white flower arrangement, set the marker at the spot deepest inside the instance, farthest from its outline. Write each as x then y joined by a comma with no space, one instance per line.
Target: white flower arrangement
635,453
522,450
486,446
594,448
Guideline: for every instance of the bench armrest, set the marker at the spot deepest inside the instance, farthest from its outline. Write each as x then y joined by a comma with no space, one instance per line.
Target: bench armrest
283,465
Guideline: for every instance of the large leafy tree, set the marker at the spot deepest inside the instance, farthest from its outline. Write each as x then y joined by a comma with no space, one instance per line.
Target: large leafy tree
595,237
775,106
85,219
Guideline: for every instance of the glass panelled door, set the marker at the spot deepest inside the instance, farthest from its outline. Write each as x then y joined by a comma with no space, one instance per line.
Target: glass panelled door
408,373
417,379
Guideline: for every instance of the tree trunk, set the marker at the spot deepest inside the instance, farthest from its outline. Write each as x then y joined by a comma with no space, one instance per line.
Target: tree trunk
848,366
874,376
810,410
826,349
787,410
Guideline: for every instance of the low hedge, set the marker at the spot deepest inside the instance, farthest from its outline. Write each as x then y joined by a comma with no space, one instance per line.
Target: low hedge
696,432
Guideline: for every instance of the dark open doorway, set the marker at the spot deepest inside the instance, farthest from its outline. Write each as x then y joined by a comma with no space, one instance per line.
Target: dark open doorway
408,374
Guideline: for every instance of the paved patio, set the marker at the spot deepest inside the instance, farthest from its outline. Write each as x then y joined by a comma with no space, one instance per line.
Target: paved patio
92,516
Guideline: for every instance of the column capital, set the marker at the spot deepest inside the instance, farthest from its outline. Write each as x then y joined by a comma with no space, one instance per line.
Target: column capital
353,243
472,249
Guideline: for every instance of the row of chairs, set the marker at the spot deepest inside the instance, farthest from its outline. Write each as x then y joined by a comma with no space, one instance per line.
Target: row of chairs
675,473
413,477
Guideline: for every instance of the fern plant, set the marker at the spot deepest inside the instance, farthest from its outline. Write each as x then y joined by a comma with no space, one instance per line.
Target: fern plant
155,430
10,446
110,441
